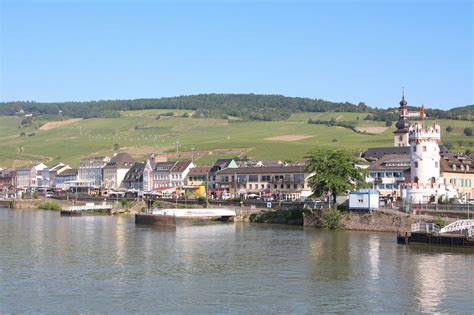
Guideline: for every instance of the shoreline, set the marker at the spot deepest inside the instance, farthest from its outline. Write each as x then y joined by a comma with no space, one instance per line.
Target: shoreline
352,221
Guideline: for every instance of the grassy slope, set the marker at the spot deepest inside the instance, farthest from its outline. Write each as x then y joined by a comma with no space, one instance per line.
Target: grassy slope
140,132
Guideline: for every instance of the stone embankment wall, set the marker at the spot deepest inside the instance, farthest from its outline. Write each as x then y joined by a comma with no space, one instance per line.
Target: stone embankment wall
377,221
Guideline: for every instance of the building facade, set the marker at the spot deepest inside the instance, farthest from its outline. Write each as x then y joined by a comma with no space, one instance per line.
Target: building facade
90,173
116,169
279,182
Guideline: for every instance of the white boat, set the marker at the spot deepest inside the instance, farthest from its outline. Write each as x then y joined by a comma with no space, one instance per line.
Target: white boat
196,213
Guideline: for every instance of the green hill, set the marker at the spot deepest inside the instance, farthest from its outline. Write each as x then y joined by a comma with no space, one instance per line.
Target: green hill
143,132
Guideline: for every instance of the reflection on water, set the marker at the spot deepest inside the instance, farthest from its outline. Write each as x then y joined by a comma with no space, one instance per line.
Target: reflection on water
107,264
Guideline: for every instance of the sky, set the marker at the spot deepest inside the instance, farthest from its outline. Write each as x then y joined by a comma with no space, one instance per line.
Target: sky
355,51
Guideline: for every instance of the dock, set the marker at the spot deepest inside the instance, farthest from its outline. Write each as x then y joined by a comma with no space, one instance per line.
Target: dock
457,234
451,240
76,211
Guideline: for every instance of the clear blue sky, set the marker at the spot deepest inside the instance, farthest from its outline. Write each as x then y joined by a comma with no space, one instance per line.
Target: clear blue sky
356,51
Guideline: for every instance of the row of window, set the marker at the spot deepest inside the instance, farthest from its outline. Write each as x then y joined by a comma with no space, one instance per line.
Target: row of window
436,164
388,186
275,186
299,178
424,148
166,176
386,174
164,185
461,182
462,168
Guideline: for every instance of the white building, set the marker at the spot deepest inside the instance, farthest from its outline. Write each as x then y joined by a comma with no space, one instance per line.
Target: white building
30,178
426,184
90,173
116,169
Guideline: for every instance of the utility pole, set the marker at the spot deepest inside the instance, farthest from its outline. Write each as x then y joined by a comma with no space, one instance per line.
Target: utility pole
207,189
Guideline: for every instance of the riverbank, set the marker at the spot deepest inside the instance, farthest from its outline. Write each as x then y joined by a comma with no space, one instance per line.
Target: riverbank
376,221
117,208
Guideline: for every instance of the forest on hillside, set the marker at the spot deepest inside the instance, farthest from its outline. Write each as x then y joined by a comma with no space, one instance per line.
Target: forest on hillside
242,106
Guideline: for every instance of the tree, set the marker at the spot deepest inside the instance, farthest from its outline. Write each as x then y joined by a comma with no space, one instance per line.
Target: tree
468,131
388,123
335,172
449,129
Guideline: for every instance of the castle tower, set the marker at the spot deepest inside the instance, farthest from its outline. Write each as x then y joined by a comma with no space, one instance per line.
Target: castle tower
401,134
425,185
424,154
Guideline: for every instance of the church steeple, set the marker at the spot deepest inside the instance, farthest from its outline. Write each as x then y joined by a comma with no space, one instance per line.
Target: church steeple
401,134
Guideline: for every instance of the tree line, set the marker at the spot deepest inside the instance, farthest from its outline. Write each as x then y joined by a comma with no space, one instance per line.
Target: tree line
242,106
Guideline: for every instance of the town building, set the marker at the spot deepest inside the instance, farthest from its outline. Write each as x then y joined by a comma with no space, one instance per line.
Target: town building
388,173
280,182
170,174
458,170
133,179
66,179
52,172
116,169
197,180
218,166
8,183
30,178
90,173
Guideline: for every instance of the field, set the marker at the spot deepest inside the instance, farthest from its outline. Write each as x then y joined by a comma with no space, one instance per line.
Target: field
177,137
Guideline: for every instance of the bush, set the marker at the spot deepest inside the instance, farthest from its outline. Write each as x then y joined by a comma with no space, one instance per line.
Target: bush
439,221
126,204
50,205
468,131
201,199
388,123
331,219
449,129
35,195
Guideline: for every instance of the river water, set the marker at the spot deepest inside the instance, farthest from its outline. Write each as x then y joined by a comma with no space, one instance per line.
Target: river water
106,264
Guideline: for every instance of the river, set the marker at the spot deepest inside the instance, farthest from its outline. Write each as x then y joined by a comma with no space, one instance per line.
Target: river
106,264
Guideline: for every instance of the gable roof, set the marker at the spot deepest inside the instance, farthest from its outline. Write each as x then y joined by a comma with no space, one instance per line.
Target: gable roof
68,172
378,153
135,173
163,166
121,160
180,166
199,171
395,162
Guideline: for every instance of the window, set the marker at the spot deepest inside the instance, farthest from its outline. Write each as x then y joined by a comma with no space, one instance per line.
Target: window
253,178
265,178
436,164
414,148
250,186
416,164
400,138
454,167
416,179
262,186
424,148
242,178
288,186
298,178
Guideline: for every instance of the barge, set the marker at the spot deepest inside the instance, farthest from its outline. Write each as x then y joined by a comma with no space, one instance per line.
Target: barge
457,234
155,219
